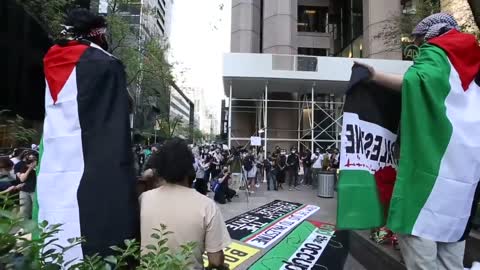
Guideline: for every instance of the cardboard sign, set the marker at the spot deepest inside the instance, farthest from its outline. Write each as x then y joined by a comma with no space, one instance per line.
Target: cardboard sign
255,141
235,255
312,245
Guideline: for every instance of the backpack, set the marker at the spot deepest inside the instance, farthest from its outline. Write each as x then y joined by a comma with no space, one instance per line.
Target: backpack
248,164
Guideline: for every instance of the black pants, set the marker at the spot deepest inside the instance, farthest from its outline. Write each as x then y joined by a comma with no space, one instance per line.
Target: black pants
292,177
224,193
201,186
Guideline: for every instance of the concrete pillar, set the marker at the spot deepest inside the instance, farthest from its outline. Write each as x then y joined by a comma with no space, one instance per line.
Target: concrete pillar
280,26
460,9
376,13
246,18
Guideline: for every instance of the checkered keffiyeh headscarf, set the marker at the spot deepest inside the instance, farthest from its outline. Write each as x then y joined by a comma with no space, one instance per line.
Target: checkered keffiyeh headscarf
435,25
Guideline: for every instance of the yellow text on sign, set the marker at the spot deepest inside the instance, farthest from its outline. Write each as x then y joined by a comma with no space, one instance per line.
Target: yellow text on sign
235,255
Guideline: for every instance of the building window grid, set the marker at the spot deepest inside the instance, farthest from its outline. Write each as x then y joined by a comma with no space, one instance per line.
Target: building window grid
312,19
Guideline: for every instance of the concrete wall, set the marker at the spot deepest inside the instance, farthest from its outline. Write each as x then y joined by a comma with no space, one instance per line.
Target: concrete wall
314,40
462,13
280,26
376,14
245,26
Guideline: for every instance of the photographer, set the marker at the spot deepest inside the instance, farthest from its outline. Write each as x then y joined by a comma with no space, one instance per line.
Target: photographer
25,173
223,191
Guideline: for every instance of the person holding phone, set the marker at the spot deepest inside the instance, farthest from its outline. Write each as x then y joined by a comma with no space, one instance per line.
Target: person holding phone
25,173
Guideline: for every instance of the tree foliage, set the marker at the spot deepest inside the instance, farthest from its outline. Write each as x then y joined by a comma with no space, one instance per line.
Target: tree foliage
48,13
15,129
144,54
400,27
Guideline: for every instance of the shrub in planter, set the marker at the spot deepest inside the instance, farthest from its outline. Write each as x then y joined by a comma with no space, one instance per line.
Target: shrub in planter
18,250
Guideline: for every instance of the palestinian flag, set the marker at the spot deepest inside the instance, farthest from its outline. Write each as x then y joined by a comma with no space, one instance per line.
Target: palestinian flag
86,179
367,162
440,133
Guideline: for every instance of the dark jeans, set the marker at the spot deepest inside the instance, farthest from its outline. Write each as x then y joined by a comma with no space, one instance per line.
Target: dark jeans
292,177
201,186
307,175
271,180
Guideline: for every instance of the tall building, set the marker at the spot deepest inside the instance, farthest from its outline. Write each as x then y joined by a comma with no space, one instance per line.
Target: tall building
148,17
313,27
290,65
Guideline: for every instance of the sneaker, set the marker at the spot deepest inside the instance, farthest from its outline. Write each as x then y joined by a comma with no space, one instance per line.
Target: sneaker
296,188
257,185
290,189
252,192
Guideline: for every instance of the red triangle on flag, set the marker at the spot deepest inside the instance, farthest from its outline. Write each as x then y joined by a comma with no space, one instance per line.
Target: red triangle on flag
463,52
59,64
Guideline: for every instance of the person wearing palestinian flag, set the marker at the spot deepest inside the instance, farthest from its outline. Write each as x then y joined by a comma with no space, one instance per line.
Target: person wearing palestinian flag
86,178
436,188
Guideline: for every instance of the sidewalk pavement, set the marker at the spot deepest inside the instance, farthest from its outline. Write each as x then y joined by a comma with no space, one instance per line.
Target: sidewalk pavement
306,195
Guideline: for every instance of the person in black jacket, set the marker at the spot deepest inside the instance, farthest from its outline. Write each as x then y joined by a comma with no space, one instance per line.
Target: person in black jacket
293,165
280,166
307,165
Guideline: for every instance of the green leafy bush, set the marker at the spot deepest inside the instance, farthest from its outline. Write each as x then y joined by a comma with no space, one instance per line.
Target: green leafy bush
18,250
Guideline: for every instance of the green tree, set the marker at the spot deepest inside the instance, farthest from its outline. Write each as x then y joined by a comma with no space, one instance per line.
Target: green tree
15,130
48,13
149,74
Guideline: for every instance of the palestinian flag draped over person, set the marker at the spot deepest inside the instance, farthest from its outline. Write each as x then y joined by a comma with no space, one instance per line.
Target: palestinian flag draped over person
439,165
86,179
367,164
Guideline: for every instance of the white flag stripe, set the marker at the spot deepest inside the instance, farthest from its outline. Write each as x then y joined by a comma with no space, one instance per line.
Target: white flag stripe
62,144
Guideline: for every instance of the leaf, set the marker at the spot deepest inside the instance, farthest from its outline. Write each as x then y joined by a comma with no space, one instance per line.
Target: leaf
151,247
111,259
155,236
7,214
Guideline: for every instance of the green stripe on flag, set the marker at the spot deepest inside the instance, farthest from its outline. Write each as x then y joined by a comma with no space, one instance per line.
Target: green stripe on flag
425,88
274,258
35,200
357,195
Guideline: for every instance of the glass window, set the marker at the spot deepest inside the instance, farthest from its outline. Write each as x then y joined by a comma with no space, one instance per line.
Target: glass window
312,19
312,51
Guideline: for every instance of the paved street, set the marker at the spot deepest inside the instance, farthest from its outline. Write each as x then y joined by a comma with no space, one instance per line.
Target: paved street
306,195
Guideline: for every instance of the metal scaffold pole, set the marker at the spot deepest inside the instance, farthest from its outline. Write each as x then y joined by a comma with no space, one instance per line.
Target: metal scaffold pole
313,119
230,118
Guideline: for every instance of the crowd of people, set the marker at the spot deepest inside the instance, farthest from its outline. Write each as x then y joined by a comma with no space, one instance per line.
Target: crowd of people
217,169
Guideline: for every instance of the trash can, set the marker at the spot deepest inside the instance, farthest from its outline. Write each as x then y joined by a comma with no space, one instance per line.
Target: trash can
326,182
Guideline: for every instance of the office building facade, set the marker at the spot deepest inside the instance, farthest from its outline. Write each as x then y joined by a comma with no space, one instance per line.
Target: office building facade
290,64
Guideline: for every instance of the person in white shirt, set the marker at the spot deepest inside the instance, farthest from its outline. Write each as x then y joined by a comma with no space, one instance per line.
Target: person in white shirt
317,160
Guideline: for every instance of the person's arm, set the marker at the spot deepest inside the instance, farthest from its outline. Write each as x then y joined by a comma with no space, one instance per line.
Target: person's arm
216,260
8,190
216,238
391,81
24,176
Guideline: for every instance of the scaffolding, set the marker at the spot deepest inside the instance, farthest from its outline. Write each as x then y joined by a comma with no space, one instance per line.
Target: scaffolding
318,119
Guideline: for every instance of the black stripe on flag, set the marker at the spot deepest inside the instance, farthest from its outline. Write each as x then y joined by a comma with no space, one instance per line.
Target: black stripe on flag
372,102
106,195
